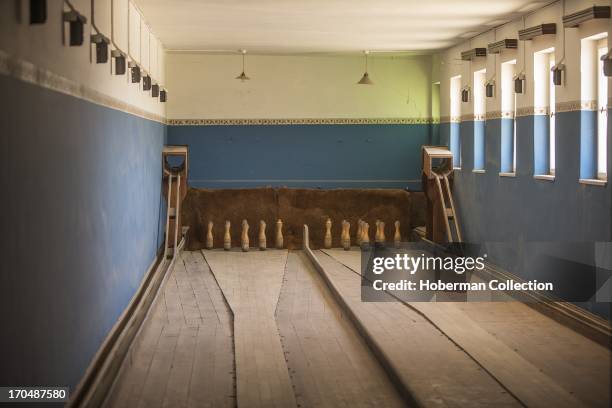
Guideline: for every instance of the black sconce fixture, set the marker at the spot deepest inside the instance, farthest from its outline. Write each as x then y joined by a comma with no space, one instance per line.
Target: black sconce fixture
38,11
465,94
490,88
135,72
119,62
607,64
519,81
101,47
162,95
77,21
155,90
557,74
146,83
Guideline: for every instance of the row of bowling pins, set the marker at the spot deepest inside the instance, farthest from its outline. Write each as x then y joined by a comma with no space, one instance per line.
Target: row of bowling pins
363,234
244,236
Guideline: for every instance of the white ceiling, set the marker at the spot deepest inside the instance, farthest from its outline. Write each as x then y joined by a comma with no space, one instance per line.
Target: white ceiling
323,26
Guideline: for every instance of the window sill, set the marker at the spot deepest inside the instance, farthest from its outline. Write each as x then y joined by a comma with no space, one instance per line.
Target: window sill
507,174
545,177
457,168
478,171
593,182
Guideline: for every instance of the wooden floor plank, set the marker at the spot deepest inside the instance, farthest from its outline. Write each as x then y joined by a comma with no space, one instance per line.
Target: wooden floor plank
330,364
251,283
183,354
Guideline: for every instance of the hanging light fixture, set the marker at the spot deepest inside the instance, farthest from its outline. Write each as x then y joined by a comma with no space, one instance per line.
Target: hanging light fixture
242,75
365,79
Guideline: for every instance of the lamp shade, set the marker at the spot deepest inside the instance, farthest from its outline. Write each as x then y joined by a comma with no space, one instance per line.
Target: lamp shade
365,79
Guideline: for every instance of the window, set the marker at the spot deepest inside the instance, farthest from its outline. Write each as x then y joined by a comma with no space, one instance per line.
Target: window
455,115
479,119
593,116
602,113
544,114
508,121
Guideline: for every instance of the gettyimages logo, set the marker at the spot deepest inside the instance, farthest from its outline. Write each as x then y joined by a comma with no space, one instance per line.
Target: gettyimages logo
422,262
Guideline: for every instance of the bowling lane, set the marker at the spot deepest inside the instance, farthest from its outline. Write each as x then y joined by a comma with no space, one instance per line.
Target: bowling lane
183,354
328,361
507,338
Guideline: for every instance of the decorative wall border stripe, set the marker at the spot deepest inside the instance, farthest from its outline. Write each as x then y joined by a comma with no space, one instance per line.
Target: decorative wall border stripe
570,106
302,121
27,72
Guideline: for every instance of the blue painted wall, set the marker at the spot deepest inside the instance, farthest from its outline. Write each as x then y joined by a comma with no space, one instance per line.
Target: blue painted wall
537,229
326,156
80,217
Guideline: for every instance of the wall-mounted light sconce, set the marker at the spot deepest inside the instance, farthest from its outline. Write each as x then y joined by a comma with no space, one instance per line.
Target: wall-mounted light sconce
490,88
607,63
119,62
465,94
101,43
154,90
38,11
519,82
557,74
77,21
163,95
134,72
146,83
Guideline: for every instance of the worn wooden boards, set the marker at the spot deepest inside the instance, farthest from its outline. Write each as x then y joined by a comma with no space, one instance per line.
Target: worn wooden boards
251,283
183,354
329,363
435,371
539,361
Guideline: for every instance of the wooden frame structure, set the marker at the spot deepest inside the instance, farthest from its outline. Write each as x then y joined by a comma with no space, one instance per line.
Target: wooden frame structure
442,223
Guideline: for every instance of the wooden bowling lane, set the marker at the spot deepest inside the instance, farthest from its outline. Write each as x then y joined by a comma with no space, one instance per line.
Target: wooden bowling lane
430,367
539,360
251,283
183,354
329,363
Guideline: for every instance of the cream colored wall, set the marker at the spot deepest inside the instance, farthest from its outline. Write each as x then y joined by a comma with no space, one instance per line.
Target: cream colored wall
286,87
451,64
41,45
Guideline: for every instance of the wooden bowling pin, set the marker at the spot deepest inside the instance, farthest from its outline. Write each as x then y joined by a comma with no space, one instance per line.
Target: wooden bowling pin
345,238
359,232
397,237
209,236
227,238
365,234
380,234
327,240
244,238
262,235
377,232
279,234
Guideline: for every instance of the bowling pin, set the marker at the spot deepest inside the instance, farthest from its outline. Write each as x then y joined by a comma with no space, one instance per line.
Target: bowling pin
279,234
380,235
227,238
209,236
358,234
346,235
397,237
365,236
244,239
262,235
327,241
